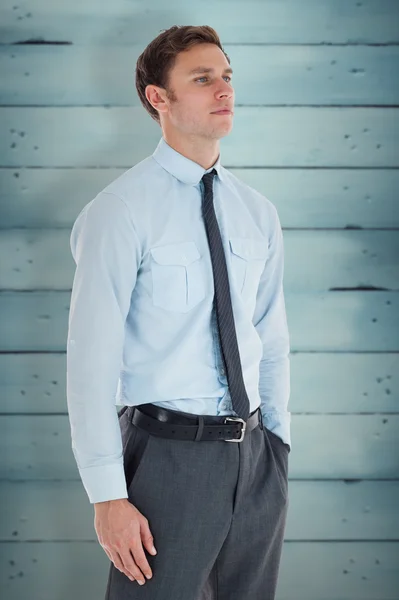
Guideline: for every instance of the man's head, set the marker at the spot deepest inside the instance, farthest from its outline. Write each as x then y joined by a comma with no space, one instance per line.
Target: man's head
183,102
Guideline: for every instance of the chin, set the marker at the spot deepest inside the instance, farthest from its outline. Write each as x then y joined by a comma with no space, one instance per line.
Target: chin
223,131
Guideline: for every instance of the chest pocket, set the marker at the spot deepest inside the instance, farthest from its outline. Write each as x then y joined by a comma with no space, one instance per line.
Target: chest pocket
248,258
178,281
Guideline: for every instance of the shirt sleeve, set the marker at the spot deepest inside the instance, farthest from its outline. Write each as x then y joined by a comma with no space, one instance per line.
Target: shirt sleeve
270,321
106,250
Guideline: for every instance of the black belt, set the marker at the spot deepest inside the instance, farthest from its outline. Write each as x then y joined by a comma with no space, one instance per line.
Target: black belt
179,425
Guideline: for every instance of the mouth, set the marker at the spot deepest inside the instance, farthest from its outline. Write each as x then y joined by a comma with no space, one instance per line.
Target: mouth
222,112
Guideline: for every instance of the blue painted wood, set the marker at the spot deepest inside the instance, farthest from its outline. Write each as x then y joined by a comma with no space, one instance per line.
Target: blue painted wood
367,383
341,321
326,447
261,21
323,198
122,136
273,75
362,510
309,570
41,259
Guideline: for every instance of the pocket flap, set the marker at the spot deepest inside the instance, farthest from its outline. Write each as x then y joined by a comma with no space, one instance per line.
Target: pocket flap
183,253
249,248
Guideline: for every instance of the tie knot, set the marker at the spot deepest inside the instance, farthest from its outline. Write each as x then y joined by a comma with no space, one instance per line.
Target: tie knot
208,179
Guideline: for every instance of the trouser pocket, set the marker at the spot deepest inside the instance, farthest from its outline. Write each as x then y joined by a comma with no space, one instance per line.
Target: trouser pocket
135,451
279,451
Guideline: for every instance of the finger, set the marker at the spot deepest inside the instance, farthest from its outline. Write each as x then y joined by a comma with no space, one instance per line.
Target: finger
116,559
147,537
131,566
140,559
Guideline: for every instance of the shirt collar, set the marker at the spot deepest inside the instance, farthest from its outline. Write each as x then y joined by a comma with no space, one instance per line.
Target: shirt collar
181,167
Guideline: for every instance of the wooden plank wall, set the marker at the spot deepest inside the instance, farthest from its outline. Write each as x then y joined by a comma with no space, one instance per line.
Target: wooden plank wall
316,130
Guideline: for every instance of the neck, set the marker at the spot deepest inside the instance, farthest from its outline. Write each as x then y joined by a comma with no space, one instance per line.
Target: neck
204,152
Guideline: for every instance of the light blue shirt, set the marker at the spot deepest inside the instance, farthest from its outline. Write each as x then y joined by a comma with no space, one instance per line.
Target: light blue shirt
141,325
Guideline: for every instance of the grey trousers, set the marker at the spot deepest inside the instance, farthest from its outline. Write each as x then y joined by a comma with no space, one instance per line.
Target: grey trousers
217,511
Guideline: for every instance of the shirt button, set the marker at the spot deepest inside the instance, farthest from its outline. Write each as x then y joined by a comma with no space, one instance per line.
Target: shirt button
222,371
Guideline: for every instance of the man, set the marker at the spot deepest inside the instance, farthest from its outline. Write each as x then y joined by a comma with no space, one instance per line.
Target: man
177,313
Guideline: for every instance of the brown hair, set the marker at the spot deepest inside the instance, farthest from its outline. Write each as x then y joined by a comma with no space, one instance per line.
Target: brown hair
154,65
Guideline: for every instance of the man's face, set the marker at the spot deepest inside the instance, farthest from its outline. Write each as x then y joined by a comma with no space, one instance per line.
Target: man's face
194,97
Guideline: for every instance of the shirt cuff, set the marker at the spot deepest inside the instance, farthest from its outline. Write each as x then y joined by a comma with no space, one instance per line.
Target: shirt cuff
105,482
279,423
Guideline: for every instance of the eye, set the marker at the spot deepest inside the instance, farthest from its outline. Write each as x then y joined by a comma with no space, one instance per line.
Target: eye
229,78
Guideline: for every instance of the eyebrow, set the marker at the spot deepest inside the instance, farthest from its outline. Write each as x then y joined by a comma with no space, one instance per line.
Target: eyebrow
208,70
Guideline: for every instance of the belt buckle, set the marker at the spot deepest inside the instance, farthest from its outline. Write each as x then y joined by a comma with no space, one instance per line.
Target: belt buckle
242,430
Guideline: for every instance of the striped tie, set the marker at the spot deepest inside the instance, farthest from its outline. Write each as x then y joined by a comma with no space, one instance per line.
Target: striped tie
222,300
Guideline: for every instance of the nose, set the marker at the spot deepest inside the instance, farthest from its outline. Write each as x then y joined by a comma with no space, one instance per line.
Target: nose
226,91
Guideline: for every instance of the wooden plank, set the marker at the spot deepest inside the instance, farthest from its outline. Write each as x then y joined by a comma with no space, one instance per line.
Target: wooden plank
123,136
308,570
364,510
259,21
291,75
326,446
338,571
344,321
340,198
330,259
367,383
324,198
